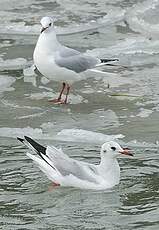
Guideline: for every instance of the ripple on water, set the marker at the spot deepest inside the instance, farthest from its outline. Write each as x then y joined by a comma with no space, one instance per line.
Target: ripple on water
124,29
25,199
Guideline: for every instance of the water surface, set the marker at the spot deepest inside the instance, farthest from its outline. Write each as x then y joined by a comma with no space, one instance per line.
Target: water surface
128,110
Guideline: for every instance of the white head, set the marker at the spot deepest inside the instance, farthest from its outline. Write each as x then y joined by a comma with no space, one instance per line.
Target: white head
46,23
112,150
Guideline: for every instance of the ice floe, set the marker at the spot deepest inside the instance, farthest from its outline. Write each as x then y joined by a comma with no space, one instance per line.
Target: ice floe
6,82
70,135
12,64
144,112
143,17
80,135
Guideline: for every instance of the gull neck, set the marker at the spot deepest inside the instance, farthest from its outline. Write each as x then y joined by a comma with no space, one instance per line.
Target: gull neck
48,41
109,169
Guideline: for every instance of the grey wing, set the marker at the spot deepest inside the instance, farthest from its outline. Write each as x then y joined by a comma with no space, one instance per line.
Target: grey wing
67,166
67,52
77,63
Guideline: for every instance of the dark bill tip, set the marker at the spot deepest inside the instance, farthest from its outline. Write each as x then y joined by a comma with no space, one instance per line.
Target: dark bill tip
126,151
43,29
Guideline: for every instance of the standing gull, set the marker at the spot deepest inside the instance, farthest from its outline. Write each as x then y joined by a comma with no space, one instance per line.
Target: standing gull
65,171
61,63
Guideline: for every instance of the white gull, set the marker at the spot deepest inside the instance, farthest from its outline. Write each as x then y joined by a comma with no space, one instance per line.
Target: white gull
65,171
60,63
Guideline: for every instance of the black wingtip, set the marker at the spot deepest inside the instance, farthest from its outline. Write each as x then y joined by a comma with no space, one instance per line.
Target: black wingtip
37,146
105,60
41,150
27,138
20,139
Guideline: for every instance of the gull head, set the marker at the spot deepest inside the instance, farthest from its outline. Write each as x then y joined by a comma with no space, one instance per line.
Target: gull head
46,23
112,150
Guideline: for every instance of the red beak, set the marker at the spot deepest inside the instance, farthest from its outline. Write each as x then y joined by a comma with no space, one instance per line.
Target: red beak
126,151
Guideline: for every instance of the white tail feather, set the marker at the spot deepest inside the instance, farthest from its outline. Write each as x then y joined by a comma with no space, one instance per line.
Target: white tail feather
52,174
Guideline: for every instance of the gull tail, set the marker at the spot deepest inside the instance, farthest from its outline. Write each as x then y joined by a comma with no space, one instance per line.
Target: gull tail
44,162
33,145
46,168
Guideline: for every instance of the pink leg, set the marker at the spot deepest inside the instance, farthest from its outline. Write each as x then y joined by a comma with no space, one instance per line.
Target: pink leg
52,186
60,95
67,93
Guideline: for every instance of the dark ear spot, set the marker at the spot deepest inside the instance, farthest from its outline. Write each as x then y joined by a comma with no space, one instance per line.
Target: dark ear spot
113,148
104,151
50,24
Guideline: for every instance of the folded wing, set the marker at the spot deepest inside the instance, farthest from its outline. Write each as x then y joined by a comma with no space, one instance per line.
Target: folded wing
77,63
68,166
58,166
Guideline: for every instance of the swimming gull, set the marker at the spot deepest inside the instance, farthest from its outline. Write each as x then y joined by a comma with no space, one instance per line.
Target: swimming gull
65,171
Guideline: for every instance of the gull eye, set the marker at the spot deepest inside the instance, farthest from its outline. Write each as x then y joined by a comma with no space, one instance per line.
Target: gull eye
104,151
50,24
113,148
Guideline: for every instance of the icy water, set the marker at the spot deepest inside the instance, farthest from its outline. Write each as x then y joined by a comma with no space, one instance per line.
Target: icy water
127,111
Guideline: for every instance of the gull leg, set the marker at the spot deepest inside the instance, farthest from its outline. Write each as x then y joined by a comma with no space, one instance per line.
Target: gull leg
63,87
60,95
53,186
67,93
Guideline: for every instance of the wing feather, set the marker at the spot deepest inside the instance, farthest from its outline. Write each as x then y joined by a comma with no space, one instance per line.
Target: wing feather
76,63
67,166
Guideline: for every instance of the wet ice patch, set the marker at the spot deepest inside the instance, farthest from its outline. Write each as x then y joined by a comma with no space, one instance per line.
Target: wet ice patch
44,80
5,83
20,132
73,99
127,48
7,103
81,135
112,16
19,23
42,95
96,120
144,113
29,71
31,79
10,27
31,115
12,64
68,135
150,88
143,18
117,81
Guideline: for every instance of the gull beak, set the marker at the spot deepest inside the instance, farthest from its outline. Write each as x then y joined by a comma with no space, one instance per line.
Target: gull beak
43,29
126,151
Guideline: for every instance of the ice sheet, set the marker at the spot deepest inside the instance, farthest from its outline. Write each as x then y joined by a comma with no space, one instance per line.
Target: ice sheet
12,64
6,82
70,135
80,135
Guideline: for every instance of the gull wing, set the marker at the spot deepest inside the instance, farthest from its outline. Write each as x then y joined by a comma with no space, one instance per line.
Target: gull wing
68,166
74,60
56,164
76,63
67,52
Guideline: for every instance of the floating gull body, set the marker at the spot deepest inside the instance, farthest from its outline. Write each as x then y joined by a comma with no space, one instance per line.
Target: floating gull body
65,171
60,63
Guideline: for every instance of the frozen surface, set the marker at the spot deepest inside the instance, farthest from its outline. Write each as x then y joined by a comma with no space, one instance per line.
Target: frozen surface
80,135
12,64
6,83
121,104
